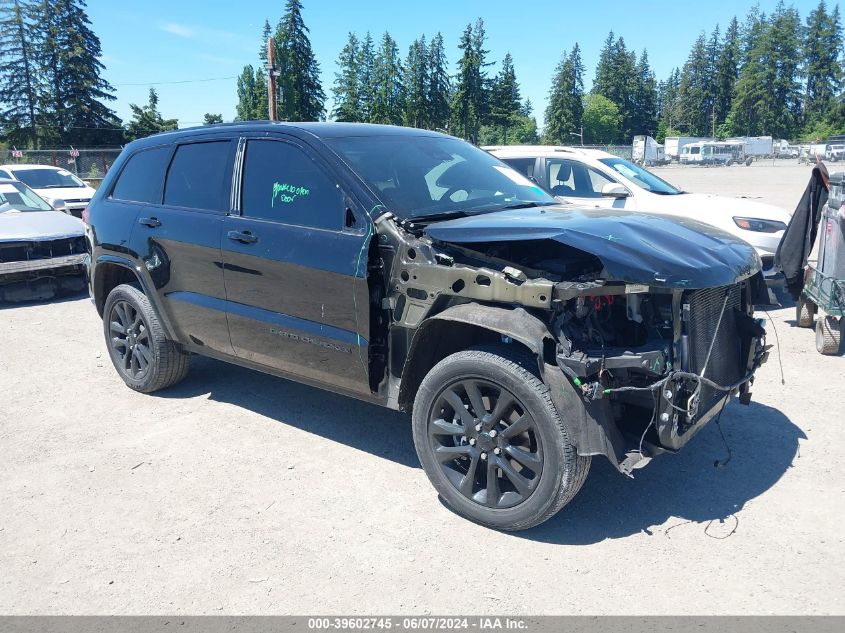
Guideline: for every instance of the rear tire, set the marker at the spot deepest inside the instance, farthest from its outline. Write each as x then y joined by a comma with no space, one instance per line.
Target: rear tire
480,462
140,351
828,335
805,312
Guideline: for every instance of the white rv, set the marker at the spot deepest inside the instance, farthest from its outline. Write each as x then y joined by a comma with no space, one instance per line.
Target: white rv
673,145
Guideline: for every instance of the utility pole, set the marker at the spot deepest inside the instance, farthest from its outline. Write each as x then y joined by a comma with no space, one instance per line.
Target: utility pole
272,73
581,135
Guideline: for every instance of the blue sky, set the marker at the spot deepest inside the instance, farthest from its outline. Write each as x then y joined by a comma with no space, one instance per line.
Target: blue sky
158,41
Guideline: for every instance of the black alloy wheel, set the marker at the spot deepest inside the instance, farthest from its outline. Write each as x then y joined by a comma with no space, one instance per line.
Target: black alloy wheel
130,340
486,442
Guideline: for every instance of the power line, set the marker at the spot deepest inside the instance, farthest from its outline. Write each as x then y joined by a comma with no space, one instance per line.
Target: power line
181,81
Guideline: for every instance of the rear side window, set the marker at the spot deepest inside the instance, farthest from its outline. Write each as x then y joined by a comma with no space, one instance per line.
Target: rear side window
524,166
283,184
142,177
200,177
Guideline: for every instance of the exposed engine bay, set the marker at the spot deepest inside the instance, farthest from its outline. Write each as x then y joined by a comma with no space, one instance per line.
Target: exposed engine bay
650,358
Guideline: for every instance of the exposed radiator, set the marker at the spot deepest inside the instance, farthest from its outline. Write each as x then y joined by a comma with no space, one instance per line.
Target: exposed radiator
725,365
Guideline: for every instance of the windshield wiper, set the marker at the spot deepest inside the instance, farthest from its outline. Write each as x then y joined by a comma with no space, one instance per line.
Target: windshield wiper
431,217
57,187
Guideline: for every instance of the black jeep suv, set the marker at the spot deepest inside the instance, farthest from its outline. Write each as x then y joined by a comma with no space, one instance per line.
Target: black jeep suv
415,271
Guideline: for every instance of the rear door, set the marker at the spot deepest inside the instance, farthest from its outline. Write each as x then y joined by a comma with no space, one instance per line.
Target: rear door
178,241
295,267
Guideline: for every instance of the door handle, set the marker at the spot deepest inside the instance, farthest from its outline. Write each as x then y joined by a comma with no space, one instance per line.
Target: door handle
244,237
150,222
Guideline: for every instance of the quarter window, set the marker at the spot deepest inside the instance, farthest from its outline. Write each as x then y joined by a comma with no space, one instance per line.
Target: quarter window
282,183
200,177
142,177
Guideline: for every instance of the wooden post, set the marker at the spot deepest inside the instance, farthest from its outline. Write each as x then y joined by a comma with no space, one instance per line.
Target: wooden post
271,80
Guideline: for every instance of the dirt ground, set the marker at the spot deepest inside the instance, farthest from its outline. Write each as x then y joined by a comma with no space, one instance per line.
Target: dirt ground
239,493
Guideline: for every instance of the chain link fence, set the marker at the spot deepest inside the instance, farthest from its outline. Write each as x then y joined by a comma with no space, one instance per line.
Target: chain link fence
622,151
90,165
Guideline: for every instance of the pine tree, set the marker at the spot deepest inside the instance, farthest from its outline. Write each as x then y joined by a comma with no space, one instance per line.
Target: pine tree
250,106
822,47
645,98
566,100
469,102
768,91
302,96
439,86
68,54
388,105
694,94
366,78
505,100
615,80
266,32
210,119
347,101
726,73
18,83
147,120
417,81
669,104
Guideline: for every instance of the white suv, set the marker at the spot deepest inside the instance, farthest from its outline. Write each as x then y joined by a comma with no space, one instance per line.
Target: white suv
52,183
595,178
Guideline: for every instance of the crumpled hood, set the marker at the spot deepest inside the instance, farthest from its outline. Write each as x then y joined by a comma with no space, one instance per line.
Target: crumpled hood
38,225
634,247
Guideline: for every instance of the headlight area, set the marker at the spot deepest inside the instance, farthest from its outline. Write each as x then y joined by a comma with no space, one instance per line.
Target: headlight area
654,367
759,226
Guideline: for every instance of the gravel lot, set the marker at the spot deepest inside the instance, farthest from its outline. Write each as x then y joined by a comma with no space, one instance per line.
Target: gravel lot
240,493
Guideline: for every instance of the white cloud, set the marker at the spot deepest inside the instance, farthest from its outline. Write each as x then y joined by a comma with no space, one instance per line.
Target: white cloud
177,29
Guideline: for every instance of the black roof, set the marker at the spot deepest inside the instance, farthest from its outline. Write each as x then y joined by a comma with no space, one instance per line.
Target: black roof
313,128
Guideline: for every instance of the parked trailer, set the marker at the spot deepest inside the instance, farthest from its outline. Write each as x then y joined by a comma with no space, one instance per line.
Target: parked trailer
715,153
673,145
756,146
646,151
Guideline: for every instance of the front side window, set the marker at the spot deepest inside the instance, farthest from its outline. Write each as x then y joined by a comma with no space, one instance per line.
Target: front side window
48,178
200,177
574,179
142,177
283,184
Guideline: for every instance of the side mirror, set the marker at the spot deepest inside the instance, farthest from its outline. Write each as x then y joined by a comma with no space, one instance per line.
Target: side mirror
614,190
59,205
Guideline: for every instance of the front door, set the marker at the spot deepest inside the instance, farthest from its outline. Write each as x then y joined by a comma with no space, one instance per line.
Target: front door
581,184
295,275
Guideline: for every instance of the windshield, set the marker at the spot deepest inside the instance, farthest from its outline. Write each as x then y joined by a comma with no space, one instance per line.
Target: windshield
47,178
640,177
428,176
15,196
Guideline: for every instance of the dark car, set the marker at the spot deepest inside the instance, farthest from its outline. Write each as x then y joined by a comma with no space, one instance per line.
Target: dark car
412,270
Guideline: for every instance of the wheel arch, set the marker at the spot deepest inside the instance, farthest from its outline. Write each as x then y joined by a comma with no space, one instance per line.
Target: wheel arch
468,325
110,272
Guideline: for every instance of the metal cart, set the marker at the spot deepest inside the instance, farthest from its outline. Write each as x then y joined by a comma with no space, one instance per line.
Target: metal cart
824,285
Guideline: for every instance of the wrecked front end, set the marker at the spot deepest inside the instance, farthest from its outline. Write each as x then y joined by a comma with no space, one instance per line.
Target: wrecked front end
39,269
642,326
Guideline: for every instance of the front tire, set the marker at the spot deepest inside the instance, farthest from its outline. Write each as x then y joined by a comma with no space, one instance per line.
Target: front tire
140,351
491,441
805,312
